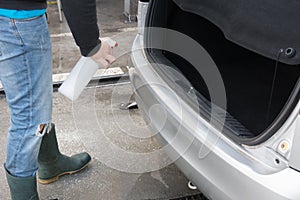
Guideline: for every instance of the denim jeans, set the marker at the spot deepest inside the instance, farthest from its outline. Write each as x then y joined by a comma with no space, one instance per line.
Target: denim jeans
26,76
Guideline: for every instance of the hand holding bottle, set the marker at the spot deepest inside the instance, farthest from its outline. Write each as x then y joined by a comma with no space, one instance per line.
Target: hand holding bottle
86,67
104,56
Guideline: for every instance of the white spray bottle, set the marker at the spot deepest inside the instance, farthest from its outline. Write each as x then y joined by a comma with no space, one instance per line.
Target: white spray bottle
81,74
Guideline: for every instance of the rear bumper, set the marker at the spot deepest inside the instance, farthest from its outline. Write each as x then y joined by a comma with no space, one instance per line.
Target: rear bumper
216,165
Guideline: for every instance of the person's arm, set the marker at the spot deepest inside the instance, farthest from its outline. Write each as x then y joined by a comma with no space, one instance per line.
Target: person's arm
81,16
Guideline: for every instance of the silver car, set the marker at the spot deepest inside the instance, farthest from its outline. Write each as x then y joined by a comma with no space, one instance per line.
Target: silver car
219,82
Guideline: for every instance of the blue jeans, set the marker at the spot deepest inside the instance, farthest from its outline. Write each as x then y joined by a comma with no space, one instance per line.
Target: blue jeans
26,76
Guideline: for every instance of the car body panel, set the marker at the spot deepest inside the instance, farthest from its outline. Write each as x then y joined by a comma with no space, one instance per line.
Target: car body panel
295,158
212,163
221,168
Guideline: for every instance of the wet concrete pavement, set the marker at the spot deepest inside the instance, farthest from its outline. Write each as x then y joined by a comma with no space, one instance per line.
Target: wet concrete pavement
125,162
94,123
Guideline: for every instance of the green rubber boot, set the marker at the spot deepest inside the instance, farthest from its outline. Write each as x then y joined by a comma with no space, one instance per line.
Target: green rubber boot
53,164
22,188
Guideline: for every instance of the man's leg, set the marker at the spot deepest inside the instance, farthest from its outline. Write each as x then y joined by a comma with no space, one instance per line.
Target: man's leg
26,75
53,164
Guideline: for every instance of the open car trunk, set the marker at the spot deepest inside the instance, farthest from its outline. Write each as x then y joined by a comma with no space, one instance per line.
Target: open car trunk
262,87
